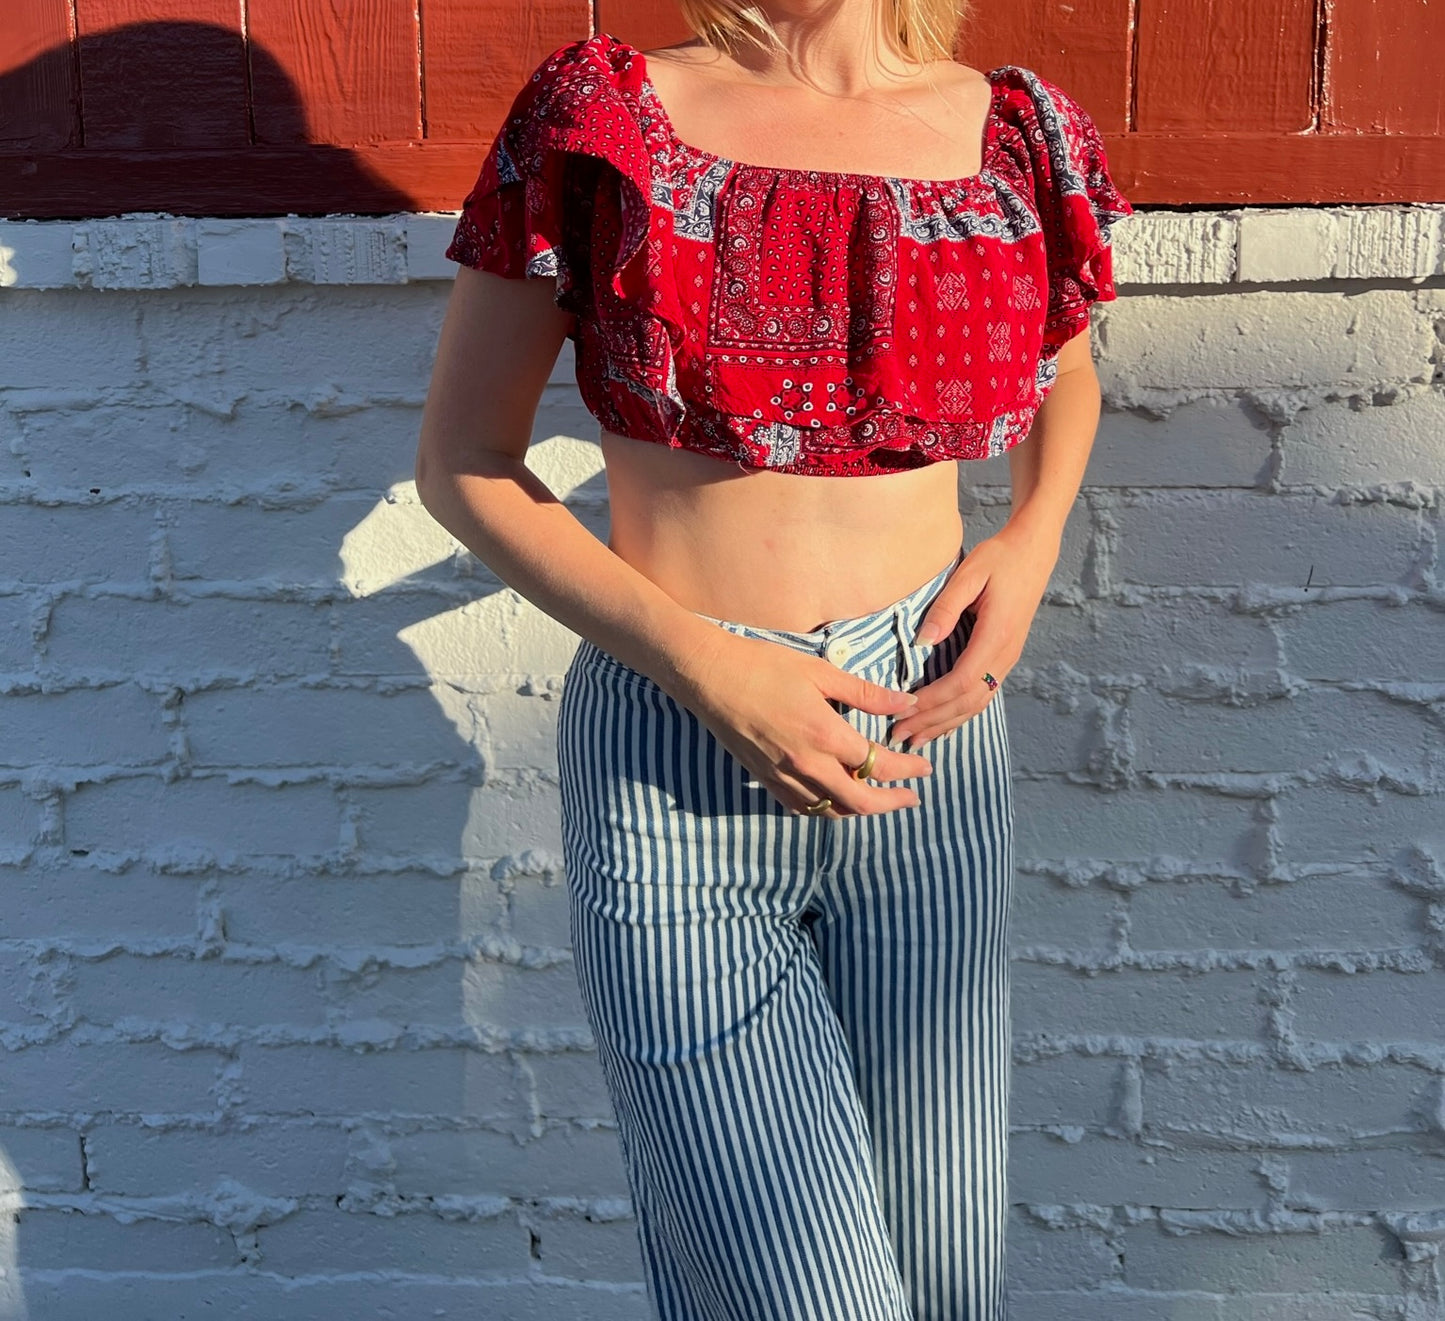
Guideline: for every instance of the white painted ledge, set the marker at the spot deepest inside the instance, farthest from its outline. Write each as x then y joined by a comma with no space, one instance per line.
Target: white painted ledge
149,250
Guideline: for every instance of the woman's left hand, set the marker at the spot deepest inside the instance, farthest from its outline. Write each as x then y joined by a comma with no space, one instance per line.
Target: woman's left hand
1006,575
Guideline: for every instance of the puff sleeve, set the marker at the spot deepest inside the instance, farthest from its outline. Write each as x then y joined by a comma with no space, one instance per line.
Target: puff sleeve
512,225
1078,205
563,190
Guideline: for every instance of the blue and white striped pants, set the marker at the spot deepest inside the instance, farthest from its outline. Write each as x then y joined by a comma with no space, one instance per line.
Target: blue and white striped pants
802,1021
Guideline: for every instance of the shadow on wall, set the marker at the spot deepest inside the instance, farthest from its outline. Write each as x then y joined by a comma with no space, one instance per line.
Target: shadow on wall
263,773
86,125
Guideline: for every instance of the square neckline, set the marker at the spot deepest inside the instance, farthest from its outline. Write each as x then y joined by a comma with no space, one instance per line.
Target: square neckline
996,89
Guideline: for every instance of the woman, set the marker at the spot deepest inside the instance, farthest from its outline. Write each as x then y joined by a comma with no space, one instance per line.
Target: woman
807,246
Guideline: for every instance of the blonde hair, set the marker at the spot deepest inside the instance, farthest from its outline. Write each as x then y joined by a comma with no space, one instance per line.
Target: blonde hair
922,30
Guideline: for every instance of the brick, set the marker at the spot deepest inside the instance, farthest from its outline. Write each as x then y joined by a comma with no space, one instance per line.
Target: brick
396,1082
1359,1258
582,1249
345,251
1058,819
103,542
325,1241
1204,443
1059,735
108,1078
17,642
1073,917
539,912
115,725
320,726
136,252
20,818
40,1158
209,994
1373,641
244,543
1380,1005
563,1162
240,252
570,1084
1332,1306
549,1301
78,903
352,911
1251,722
1178,247
400,633
445,822
1373,1179
1338,243
526,998
1135,1004
1354,443
1324,823
116,445
427,237
47,333
1041,1257
1264,340
278,1158
1269,1105
202,812
65,1240
1111,1305
36,254
1069,1089
294,342
1197,538
1345,912
187,641
1153,640
1111,1172
252,1296
520,730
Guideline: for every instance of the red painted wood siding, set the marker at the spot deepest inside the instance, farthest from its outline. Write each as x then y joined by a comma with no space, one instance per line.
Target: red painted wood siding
264,107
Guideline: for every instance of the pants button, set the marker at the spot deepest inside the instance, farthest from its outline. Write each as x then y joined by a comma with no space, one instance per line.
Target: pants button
839,651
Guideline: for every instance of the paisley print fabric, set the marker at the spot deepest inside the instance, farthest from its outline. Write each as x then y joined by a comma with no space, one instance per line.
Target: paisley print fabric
807,321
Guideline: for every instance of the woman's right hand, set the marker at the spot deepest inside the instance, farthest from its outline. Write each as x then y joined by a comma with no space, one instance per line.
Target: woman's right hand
768,705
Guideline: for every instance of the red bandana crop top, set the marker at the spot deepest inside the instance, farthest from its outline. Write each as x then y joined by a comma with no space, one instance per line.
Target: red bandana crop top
806,321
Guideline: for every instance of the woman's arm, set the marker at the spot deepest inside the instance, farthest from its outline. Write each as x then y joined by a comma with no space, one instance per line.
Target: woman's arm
498,344
1003,578
1047,469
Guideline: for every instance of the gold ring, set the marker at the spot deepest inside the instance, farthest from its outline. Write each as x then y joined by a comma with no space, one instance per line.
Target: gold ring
862,772
822,805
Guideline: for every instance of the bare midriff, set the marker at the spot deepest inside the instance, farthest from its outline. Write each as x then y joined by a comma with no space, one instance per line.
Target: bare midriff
774,549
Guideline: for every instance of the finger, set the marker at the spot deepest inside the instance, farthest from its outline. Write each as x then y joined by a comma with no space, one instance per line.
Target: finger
855,691
888,764
958,687
921,735
854,797
982,655
947,608
797,795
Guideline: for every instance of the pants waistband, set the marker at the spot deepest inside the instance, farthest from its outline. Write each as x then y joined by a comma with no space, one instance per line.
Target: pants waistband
862,637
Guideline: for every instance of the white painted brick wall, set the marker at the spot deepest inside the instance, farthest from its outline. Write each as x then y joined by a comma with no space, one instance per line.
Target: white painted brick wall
290,1026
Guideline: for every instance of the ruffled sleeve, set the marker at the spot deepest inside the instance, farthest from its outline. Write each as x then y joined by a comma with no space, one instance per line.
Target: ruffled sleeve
1078,204
563,190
